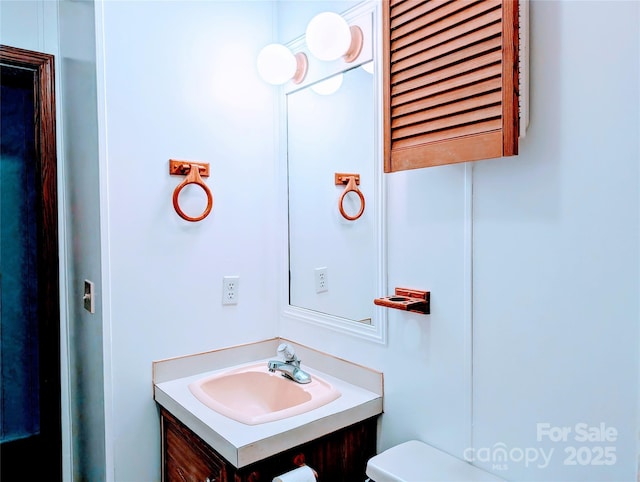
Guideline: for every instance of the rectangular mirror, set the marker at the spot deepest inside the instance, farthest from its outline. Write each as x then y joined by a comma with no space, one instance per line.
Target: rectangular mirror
335,247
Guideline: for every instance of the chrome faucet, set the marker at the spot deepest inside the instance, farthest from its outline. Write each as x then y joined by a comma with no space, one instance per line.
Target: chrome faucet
290,366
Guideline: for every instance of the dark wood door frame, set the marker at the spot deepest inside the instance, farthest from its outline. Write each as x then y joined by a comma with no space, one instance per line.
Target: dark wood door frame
48,462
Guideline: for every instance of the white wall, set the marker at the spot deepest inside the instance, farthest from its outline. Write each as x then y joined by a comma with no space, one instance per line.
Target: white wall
29,25
556,251
78,106
179,81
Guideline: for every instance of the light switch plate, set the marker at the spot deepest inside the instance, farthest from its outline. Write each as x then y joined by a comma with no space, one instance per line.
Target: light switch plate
89,297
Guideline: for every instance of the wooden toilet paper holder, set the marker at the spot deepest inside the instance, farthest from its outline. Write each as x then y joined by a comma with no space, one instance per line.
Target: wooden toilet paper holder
407,299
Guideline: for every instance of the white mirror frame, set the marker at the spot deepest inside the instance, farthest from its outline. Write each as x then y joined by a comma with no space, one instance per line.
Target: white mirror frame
367,14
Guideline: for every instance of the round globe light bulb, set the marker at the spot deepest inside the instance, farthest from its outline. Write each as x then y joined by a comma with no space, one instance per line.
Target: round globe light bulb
276,64
328,36
368,67
328,86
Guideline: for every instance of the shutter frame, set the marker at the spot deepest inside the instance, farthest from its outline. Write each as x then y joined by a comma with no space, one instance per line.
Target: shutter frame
471,136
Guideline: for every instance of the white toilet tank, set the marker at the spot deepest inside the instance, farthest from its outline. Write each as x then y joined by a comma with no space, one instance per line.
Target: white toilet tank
415,461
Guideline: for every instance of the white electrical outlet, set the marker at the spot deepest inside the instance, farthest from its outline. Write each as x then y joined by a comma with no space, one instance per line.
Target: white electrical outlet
230,286
322,280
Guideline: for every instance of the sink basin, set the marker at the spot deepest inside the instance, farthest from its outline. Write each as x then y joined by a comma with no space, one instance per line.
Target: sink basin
252,395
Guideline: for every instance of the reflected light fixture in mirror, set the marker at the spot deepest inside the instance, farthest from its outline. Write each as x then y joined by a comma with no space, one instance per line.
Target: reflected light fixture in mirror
277,65
328,86
329,37
368,67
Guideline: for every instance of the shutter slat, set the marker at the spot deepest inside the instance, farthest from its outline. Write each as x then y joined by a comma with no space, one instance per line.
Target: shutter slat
453,109
449,123
447,78
465,130
478,76
475,89
425,26
399,7
454,60
403,14
418,44
425,52
422,13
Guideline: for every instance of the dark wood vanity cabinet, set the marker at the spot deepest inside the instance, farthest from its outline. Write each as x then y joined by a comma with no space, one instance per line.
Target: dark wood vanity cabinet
338,456
185,457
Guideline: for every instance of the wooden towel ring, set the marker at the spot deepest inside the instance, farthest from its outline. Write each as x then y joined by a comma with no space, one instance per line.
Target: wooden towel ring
193,177
352,181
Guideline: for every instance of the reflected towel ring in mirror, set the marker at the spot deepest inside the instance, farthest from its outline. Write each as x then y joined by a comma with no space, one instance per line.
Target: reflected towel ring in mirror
352,181
194,172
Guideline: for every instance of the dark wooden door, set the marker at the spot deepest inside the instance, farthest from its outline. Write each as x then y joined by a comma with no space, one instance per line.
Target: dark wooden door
30,429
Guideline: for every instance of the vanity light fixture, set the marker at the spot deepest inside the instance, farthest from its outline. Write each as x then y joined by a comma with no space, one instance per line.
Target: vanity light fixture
328,86
329,37
277,65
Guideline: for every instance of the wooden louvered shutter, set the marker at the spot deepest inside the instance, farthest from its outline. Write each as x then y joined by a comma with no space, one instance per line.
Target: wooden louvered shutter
450,81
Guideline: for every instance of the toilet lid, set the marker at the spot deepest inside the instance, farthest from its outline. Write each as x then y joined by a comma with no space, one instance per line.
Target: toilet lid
415,461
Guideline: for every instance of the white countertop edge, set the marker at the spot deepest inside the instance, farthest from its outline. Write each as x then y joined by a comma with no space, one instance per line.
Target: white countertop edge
182,366
307,432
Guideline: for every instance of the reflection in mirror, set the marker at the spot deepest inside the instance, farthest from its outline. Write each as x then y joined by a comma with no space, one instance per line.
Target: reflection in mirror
333,262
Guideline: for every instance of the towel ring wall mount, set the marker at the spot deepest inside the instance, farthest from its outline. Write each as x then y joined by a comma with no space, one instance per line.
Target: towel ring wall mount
352,181
194,171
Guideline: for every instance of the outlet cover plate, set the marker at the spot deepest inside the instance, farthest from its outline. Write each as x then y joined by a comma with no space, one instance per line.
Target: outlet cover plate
321,279
230,288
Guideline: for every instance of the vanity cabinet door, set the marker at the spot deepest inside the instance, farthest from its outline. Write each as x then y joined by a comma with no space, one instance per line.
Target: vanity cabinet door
185,457
340,456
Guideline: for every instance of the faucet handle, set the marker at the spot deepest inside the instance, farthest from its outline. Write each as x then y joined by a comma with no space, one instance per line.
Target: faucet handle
287,352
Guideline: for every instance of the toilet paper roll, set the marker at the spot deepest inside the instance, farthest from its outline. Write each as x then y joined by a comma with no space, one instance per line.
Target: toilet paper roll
301,474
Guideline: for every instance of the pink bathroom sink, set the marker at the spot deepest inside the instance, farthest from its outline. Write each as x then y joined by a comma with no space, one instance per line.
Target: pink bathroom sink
252,395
